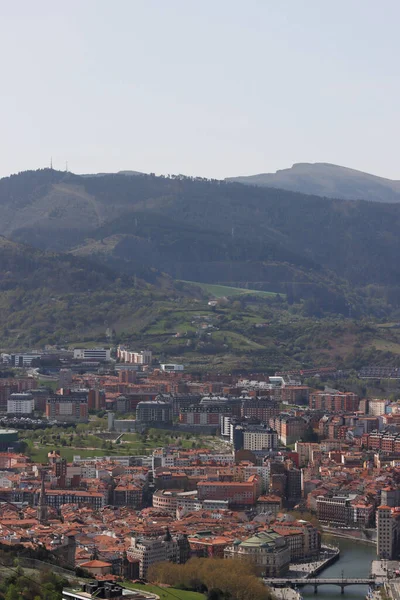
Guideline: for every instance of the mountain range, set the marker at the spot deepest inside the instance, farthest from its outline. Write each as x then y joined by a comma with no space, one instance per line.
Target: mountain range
211,231
327,180
80,255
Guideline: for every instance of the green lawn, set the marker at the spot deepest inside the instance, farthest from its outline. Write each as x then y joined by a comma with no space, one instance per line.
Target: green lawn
40,454
49,384
165,593
225,290
386,345
237,340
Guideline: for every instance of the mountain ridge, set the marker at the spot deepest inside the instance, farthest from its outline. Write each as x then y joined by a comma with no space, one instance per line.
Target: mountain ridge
327,180
213,232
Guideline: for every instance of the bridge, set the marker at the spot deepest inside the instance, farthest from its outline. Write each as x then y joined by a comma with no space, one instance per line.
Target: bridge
340,581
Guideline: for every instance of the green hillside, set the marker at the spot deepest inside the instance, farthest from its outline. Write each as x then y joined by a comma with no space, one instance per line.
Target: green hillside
221,291
338,255
307,281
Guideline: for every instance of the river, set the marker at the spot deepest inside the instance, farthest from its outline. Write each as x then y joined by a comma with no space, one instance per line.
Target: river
355,561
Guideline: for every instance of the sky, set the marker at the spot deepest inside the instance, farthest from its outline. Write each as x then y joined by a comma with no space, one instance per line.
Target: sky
212,88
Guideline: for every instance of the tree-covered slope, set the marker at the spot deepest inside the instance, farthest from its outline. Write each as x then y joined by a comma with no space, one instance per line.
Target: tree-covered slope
211,231
47,297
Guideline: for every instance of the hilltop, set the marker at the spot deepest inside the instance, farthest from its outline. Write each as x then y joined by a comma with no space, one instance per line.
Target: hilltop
327,180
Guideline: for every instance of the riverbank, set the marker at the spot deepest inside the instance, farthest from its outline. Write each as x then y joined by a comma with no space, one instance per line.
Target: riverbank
306,570
286,594
354,562
355,535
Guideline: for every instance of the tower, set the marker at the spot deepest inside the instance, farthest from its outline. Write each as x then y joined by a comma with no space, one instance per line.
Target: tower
42,506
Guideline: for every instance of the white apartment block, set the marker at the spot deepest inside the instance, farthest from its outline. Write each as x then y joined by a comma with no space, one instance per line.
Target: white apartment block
144,357
20,404
260,440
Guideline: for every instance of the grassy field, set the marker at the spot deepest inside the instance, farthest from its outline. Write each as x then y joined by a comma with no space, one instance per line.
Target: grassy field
219,291
40,454
89,445
165,593
386,346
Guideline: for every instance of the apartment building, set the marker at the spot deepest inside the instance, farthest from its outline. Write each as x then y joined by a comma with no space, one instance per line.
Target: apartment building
377,406
388,532
237,493
303,539
289,429
70,408
169,500
143,357
269,504
262,472
295,394
334,401
151,550
203,414
56,498
96,400
387,441
128,494
260,439
156,411
20,404
259,408
305,451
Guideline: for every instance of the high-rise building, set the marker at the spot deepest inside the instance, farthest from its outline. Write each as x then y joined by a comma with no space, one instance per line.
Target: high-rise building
260,439
20,404
388,532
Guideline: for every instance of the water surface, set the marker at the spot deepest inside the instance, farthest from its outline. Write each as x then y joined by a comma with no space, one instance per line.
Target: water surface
355,561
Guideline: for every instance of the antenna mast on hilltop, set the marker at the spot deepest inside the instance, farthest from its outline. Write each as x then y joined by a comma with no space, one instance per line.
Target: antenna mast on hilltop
66,166
51,163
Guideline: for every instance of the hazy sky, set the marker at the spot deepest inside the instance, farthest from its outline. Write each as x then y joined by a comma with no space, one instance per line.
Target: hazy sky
208,87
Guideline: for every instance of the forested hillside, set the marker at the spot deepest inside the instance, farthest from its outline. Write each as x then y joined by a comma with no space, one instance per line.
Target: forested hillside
54,298
340,254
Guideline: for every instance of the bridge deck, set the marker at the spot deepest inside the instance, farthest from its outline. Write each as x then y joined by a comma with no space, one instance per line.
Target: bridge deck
320,581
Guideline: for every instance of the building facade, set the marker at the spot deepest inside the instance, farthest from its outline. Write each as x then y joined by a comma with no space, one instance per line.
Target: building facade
267,550
260,439
95,354
156,411
70,408
20,404
151,550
